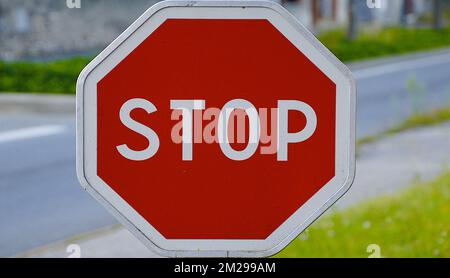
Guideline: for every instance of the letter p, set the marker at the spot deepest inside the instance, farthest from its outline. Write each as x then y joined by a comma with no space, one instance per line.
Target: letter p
284,137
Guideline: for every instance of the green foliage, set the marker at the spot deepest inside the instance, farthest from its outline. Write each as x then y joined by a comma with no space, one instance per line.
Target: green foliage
49,77
389,41
413,223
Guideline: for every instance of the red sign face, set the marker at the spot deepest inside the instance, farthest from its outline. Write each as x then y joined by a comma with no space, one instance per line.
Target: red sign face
215,130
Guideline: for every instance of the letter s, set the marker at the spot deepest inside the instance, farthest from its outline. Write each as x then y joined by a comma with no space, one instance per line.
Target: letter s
137,127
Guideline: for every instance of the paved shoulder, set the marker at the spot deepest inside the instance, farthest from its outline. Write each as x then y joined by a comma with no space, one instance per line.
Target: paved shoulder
36,103
392,163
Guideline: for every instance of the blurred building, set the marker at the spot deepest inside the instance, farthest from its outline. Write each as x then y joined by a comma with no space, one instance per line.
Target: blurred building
52,28
325,14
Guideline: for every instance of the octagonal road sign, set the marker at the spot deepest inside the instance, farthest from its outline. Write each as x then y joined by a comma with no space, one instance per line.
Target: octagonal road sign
213,128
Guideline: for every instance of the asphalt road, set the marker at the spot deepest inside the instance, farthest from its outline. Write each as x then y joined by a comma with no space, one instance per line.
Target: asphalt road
388,93
40,198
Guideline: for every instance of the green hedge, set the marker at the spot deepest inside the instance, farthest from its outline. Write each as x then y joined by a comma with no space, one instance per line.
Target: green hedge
60,76
389,41
49,77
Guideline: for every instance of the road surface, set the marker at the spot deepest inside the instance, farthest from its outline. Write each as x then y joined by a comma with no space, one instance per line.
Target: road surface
41,201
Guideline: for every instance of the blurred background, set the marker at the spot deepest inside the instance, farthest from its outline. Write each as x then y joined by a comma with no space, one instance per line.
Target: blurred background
398,50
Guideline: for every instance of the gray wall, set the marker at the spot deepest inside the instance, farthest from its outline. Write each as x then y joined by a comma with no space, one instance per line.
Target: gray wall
48,28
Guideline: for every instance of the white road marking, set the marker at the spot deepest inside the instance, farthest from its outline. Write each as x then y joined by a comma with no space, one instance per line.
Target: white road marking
401,66
31,132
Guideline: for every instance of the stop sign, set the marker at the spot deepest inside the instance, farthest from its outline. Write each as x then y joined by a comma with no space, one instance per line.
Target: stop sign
216,128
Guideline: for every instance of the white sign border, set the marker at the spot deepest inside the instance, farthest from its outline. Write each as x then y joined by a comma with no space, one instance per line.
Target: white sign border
294,225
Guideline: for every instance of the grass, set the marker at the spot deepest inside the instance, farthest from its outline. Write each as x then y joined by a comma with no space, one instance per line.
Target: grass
412,223
416,120
388,41
60,76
